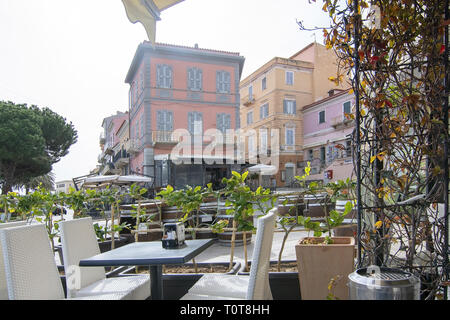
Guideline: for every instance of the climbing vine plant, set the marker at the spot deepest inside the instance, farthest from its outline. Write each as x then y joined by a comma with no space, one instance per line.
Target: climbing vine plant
395,54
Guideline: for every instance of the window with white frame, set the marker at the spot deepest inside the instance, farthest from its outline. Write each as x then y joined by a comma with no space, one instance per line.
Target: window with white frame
250,117
250,92
263,141
195,122
223,122
194,79
252,144
264,111
164,76
164,120
289,106
263,83
289,77
290,136
223,82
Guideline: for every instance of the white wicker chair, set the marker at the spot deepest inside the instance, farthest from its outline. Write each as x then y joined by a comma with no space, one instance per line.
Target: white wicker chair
78,242
30,267
255,286
3,287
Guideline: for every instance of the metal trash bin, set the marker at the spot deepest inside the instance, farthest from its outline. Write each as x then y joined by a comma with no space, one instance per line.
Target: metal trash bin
375,283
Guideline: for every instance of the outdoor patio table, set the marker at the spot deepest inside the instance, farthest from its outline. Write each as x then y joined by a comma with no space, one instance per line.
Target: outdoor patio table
150,254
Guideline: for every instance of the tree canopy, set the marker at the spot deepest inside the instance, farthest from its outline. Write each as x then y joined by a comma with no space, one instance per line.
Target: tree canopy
31,141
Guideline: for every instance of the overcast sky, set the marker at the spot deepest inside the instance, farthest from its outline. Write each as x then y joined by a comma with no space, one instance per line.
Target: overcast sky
73,56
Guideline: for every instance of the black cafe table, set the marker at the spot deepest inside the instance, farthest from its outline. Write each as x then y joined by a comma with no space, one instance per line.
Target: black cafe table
150,254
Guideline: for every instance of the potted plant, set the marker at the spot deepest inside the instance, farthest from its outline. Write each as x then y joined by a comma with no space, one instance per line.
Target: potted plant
242,202
178,279
322,260
102,200
342,193
283,274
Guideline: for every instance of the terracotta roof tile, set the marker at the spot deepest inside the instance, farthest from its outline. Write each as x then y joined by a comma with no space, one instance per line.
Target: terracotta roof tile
194,48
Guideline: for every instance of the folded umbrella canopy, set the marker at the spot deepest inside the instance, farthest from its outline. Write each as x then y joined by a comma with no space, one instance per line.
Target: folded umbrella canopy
263,169
99,181
147,12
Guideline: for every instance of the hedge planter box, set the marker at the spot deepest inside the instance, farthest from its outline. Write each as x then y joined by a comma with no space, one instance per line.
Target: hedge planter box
318,263
178,279
118,242
284,285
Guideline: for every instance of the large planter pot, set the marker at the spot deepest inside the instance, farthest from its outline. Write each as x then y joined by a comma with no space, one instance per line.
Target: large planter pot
118,242
284,285
176,285
340,206
319,263
314,207
225,237
346,230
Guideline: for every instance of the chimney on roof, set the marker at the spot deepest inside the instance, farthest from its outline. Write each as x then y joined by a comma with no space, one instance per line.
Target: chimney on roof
331,92
196,46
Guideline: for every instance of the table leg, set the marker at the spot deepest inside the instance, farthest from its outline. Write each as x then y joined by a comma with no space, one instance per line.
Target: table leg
156,286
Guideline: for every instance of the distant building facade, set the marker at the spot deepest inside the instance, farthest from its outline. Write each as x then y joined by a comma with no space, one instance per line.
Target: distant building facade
64,186
114,142
327,136
177,96
272,100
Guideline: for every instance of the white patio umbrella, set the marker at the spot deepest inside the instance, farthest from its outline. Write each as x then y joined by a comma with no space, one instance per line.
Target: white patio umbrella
99,181
263,169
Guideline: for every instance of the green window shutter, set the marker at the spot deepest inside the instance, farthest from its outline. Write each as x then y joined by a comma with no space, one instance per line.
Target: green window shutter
347,108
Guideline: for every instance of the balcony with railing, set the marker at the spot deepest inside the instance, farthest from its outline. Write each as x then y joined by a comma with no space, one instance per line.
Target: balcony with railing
341,121
248,100
133,146
163,137
121,158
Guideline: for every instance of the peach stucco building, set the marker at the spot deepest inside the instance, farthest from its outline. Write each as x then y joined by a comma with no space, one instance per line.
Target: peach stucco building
180,89
272,100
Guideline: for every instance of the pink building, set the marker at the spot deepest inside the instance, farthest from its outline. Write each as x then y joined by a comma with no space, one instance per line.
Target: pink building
178,88
111,144
327,136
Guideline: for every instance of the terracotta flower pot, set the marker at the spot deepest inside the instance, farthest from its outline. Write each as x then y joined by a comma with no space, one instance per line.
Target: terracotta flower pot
318,263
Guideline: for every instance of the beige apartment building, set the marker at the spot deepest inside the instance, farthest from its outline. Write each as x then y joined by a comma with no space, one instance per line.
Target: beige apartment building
272,99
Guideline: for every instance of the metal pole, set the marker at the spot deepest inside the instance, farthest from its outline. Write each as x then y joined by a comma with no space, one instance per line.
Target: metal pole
358,137
446,171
